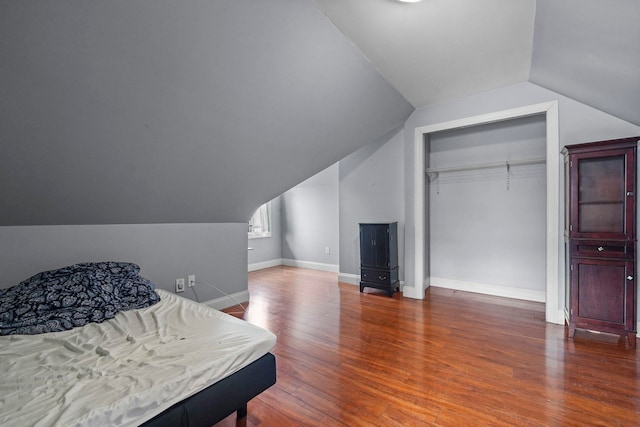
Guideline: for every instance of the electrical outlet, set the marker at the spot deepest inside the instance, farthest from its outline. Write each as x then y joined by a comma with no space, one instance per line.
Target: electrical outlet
179,285
327,250
191,280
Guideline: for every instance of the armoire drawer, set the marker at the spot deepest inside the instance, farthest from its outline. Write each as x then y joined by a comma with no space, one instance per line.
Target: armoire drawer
383,277
602,249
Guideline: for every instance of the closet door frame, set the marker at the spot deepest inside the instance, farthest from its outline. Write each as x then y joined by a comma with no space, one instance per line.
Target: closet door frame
554,312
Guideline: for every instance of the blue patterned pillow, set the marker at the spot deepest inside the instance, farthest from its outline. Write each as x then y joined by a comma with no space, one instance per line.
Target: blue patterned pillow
100,269
71,296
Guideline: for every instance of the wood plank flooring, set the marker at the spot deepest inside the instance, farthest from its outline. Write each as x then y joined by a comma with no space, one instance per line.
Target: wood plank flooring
455,359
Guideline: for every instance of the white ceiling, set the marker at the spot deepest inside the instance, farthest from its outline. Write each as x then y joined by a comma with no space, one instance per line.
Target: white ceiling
440,49
435,50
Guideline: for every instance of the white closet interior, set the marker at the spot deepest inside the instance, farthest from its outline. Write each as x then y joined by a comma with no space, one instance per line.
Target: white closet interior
486,207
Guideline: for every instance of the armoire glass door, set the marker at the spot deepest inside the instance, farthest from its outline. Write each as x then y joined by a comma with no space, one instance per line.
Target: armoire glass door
604,196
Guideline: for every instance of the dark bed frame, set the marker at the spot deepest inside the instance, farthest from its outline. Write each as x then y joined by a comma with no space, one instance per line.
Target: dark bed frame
219,400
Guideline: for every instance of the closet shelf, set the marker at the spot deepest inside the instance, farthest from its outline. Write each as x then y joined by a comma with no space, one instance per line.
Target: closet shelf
432,173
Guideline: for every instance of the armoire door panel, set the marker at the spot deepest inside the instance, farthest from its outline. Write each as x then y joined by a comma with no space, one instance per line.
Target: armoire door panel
601,291
601,199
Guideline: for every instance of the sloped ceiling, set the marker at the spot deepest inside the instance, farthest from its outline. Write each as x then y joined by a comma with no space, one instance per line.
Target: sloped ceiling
166,111
154,111
435,50
440,49
590,51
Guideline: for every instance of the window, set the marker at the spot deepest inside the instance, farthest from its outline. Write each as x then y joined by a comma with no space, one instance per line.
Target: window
260,222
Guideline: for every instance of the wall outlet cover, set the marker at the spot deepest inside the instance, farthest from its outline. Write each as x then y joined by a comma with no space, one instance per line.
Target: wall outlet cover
179,285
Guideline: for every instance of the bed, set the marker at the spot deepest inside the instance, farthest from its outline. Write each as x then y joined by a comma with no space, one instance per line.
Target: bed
171,363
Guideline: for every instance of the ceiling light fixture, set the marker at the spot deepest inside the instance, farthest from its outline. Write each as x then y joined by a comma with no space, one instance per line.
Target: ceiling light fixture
409,1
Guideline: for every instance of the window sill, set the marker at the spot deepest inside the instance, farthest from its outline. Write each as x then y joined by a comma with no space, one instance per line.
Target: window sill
258,235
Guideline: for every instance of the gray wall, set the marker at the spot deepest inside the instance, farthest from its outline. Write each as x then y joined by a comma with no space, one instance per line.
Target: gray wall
371,190
310,219
215,253
578,123
304,222
169,112
487,228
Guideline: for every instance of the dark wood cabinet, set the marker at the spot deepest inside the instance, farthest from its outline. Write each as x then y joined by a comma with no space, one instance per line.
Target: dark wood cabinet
379,256
600,237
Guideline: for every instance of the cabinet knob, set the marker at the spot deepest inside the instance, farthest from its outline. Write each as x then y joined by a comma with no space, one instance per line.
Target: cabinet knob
600,249
629,277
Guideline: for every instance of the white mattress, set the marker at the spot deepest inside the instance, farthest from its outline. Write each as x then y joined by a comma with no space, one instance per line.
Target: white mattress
126,370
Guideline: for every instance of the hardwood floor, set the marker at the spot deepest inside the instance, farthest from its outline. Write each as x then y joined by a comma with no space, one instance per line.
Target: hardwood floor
455,359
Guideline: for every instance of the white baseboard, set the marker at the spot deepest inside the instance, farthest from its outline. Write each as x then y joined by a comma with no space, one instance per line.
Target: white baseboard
310,264
352,279
228,300
487,289
265,264
293,263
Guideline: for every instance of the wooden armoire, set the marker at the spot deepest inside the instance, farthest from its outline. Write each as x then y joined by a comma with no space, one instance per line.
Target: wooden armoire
600,237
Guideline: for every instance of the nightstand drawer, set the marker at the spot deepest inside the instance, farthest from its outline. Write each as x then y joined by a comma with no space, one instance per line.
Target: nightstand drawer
383,277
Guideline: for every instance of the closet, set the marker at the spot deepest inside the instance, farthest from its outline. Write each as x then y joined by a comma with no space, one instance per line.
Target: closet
486,206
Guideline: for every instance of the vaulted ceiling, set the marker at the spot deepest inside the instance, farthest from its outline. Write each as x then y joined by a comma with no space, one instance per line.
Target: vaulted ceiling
436,50
153,111
440,49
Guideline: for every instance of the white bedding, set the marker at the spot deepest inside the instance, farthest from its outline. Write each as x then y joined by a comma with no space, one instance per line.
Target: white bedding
126,370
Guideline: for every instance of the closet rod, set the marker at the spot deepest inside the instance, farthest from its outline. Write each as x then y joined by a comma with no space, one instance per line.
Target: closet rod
433,172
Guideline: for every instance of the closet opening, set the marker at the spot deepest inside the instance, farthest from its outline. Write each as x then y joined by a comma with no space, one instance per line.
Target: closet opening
486,208
554,251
